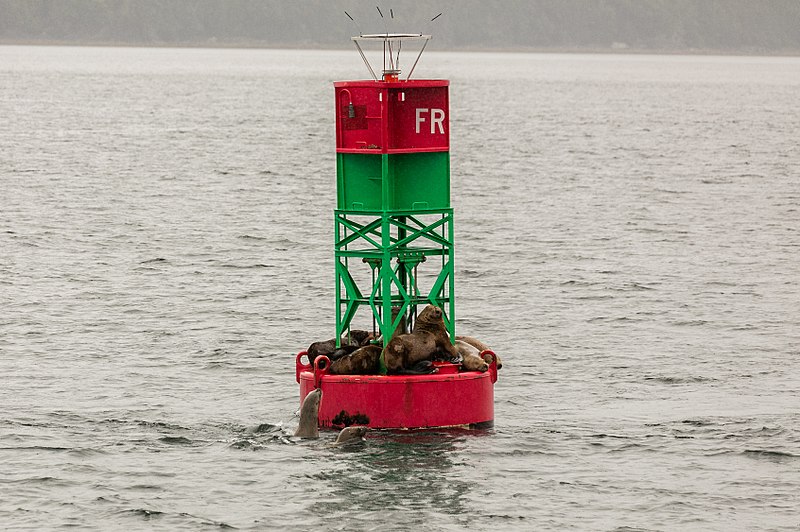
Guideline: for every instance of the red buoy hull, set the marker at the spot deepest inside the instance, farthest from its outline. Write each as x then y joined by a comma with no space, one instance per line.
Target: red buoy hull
444,399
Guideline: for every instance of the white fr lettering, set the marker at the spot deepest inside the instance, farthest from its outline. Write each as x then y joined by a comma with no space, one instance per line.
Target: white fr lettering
420,119
437,119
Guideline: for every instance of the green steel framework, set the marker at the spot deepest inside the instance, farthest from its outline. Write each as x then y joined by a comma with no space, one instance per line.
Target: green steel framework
393,244
394,213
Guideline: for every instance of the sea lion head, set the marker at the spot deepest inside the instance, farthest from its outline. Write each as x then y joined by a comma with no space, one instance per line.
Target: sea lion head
488,360
430,319
361,337
349,434
312,399
431,312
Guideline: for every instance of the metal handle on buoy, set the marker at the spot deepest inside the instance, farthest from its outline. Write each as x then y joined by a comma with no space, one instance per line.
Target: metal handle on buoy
321,366
492,364
299,366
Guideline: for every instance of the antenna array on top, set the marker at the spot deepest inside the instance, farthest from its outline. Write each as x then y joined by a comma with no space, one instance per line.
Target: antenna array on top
392,46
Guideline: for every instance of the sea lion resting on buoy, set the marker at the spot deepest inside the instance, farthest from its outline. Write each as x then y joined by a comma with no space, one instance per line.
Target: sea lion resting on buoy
366,359
480,346
328,347
309,421
362,361
428,338
471,357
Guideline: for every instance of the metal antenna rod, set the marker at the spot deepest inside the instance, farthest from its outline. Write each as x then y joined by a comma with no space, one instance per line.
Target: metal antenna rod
399,44
427,25
358,28
369,67
386,29
399,47
417,61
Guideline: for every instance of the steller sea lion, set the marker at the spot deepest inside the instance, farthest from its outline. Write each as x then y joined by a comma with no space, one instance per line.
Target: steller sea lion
362,361
350,435
328,347
309,422
480,346
428,338
472,360
309,416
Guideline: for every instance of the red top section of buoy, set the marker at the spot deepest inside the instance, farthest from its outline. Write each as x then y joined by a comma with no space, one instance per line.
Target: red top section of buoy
392,116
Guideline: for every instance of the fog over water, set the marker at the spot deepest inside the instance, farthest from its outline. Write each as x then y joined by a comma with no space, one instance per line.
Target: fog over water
627,240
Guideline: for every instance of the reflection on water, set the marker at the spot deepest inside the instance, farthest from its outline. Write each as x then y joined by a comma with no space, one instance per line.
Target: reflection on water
409,476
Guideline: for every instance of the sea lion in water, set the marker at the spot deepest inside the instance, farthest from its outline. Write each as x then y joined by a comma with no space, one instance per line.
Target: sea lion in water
349,434
328,347
472,360
309,416
309,421
362,361
480,346
428,338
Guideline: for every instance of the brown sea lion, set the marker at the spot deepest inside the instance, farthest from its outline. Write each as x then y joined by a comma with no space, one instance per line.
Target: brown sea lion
351,434
328,347
309,416
428,338
471,357
362,361
480,346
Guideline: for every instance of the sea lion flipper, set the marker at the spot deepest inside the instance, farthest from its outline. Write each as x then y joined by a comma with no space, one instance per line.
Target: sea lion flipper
458,359
424,367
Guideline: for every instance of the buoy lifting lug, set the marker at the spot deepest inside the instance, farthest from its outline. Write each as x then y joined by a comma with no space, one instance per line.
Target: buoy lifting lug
492,363
321,366
299,366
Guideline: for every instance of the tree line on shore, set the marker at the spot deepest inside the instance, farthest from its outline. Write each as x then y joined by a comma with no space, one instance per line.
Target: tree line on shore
768,26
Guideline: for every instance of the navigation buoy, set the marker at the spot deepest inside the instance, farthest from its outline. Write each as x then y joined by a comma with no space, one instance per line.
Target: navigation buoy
394,249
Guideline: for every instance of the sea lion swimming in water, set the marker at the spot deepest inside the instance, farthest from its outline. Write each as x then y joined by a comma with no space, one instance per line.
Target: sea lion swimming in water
309,422
351,434
309,416
428,338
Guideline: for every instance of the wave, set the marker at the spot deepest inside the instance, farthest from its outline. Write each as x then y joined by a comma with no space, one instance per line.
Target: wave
665,379
770,454
176,440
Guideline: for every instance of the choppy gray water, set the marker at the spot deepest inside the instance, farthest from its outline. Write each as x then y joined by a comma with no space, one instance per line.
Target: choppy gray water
627,231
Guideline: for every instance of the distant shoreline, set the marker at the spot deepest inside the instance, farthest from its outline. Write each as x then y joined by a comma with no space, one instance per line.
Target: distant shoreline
474,49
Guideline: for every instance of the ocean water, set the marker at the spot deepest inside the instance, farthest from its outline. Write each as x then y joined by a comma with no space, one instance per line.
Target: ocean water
627,240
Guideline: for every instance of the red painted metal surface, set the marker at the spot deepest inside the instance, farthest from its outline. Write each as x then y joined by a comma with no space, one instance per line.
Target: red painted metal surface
444,399
392,117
